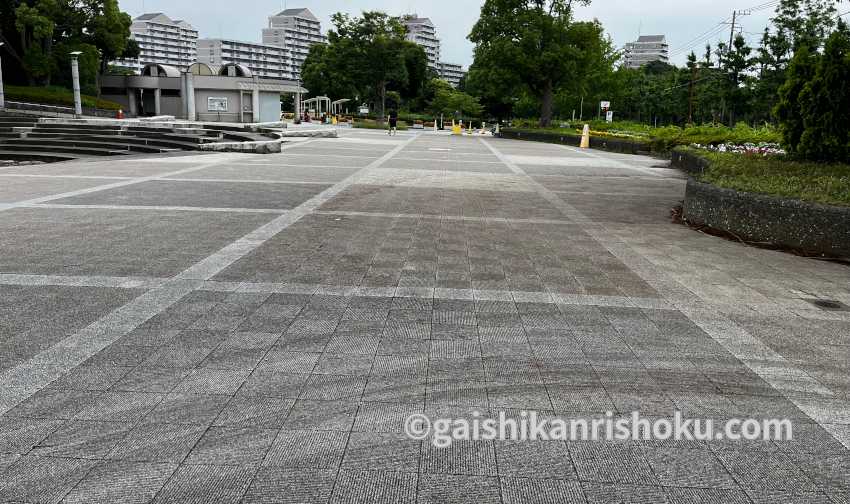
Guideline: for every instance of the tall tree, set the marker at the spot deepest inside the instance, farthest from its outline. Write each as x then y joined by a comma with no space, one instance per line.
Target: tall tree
825,103
376,43
788,110
538,42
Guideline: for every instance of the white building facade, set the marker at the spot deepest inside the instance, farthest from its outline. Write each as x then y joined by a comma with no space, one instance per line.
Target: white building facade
264,60
422,32
451,73
645,49
162,41
295,30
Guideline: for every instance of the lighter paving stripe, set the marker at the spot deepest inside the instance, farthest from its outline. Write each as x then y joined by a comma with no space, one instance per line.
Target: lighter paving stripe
27,378
160,208
748,349
122,183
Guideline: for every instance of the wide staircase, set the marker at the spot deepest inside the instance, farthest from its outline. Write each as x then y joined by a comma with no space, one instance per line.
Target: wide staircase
24,138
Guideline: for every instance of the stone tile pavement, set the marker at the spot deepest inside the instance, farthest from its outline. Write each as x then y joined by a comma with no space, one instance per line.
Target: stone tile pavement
242,328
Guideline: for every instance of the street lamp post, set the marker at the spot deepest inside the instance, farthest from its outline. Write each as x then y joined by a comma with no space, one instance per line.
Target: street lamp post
2,96
75,76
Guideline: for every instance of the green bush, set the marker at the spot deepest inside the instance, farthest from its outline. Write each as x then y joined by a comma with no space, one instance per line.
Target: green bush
667,138
826,183
54,95
371,124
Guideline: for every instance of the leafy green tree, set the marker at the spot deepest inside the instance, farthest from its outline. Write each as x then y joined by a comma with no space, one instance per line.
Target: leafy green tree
108,30
449,101
788,110
825,103
35,26
375,42
538,42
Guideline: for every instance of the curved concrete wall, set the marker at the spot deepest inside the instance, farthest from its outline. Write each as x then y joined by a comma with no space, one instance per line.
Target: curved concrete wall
760,218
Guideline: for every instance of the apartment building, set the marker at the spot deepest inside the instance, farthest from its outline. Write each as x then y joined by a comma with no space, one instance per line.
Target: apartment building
451,73
162,41
645,49
422,32
295,30
264,60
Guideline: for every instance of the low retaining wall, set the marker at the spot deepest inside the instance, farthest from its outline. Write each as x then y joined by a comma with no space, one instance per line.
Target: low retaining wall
608,144
759,218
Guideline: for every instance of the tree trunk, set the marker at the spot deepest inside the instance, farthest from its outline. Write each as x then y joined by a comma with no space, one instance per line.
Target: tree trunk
546,103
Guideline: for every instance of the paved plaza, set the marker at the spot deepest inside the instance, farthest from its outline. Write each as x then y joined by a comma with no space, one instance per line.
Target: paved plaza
256,328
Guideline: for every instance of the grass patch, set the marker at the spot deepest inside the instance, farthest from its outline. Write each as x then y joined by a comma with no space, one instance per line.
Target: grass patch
55,95
824,183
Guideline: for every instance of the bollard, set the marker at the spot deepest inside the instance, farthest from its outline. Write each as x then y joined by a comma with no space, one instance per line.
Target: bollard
585,137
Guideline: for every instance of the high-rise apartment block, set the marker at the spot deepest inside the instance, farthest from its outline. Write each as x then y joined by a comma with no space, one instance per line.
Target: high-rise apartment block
295,30
645,49
422,32
162,41
264,60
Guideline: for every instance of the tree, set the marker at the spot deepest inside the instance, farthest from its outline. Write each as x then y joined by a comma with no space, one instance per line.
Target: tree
788,111
376,44
825,103
366,57
538,42
448,101
108,30
36,27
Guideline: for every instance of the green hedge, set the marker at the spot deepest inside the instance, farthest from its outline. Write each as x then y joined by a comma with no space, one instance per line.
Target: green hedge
826,183
371,124
55,95
666,138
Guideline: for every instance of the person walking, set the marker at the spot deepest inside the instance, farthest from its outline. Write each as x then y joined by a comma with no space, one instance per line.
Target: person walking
393,122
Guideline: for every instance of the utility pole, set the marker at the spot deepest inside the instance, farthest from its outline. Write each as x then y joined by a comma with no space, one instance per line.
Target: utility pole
731,31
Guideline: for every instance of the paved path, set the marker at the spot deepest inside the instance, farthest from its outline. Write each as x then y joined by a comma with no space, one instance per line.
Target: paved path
240,328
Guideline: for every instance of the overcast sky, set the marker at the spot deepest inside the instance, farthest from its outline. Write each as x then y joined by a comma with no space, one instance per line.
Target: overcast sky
680,20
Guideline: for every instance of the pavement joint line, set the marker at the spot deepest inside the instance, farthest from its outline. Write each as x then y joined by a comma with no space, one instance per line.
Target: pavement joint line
39,175
115,185
27,378
444,160
212,265
251,181
81,281
745,347
463,218
159,208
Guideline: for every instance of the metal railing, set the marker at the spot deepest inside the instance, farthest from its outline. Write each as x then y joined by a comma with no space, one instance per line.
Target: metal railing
46,110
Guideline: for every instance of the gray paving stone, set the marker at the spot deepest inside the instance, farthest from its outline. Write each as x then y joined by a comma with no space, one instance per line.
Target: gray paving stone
457,489
307,449
158,442
610,493
131,482
240,446
374,486
83,439
42,479
206,483
540,491
285,485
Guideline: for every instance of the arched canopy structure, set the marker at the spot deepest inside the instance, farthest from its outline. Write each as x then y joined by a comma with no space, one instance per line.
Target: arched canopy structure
157,70
198,68
234,70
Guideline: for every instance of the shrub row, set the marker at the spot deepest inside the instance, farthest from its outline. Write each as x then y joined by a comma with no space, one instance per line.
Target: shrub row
55,95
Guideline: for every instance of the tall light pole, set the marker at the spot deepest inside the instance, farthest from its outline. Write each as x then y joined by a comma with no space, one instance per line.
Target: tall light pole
75,76
2,96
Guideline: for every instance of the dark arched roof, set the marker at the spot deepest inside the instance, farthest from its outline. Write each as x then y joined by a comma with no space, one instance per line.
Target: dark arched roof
157,70
237,70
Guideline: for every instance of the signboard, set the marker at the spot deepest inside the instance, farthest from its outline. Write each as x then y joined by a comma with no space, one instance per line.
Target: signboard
364,110
609,116
216,104
605,105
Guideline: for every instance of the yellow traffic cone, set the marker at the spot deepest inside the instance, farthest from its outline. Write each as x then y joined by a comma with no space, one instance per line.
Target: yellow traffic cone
585,137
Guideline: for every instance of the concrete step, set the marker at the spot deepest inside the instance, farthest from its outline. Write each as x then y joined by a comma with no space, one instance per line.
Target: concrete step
9,125
115,143
47,157
154,141
82,129
79,126
63,149
9,134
